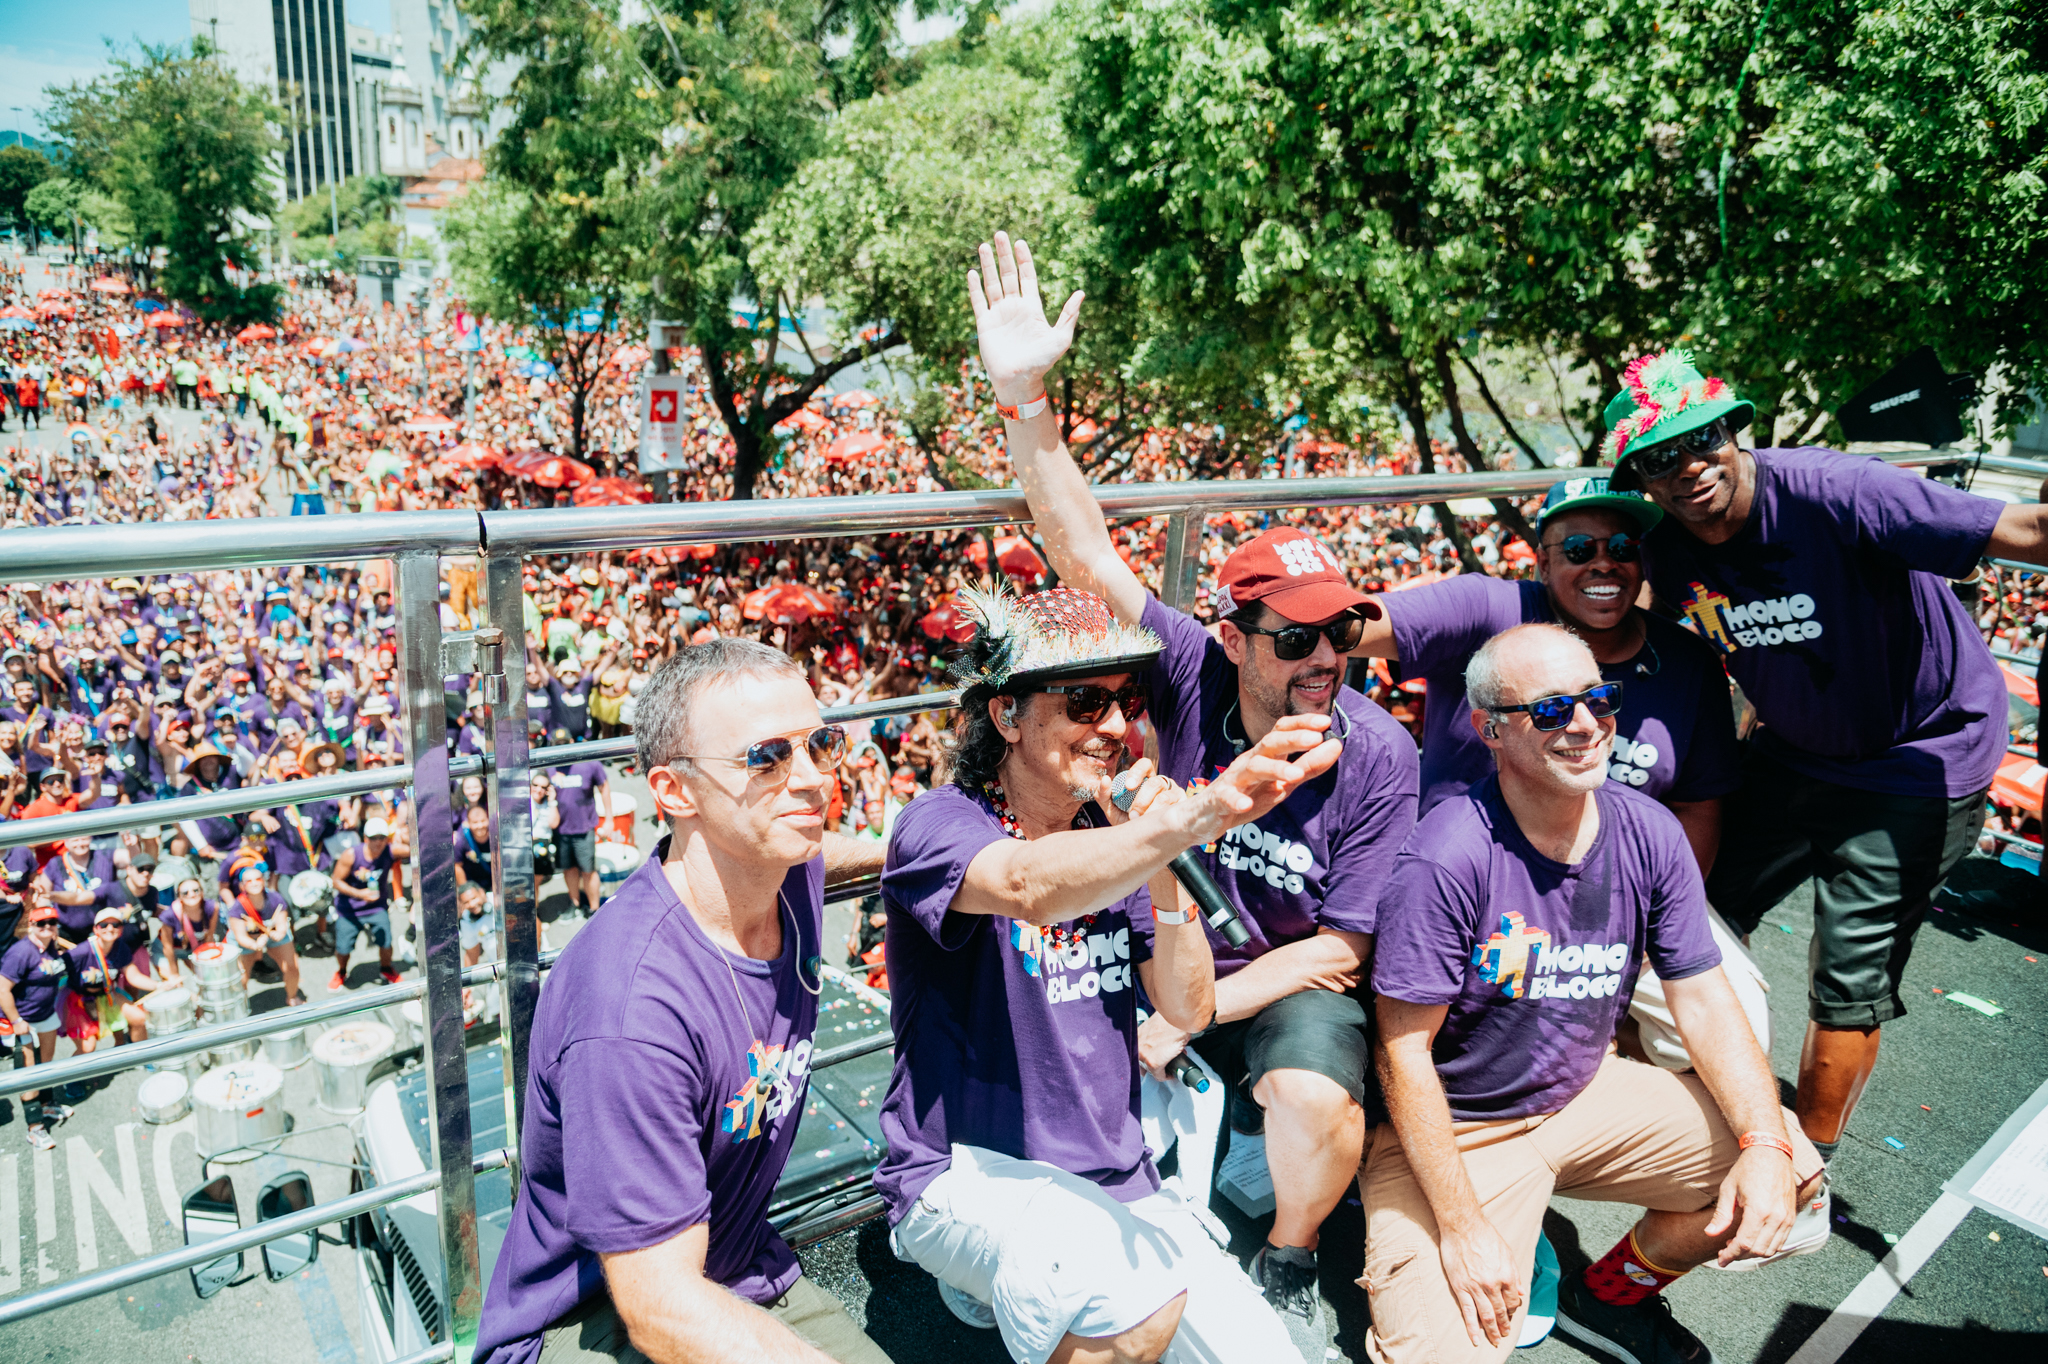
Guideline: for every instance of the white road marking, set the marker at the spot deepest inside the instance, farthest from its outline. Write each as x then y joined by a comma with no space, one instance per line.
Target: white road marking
160,1153
1882,1284
10,1226
46,1215
123,1202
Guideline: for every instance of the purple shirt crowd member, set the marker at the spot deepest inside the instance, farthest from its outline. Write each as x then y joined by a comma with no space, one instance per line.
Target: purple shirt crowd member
582,794
79,882
671,1058
1822,579
260,924
1291,1040
107,974
1509,938
32,975
366,881
577,789
1020,928
293,834
187,922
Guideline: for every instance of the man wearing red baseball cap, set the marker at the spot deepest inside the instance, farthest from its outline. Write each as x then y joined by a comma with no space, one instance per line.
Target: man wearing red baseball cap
1290,1036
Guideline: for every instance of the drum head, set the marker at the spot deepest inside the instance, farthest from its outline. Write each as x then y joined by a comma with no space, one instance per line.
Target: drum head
309,889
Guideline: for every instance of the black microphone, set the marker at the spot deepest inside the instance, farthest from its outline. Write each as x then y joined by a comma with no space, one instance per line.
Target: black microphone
1217,911
1188,1073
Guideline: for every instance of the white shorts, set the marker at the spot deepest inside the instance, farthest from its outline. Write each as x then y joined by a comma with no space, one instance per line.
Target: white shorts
1054,1254
36,1026
1652,1013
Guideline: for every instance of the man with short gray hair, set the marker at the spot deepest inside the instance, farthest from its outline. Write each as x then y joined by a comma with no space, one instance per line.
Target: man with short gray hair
671,1050
1510,936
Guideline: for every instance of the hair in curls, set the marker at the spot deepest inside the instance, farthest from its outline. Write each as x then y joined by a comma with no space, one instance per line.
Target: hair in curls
974,747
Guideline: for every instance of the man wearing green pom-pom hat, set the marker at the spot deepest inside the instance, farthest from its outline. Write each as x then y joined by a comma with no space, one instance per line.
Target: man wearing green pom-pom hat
1823,579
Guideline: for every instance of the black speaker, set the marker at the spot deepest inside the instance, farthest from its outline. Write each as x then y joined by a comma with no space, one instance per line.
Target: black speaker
1916,400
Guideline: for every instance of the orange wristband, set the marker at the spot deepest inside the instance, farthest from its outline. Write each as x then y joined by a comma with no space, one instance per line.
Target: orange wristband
1750,1139
1030,407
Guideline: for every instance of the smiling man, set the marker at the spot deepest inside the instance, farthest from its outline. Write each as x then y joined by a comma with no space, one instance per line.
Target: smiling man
1020,931
1290,1038
671,1051
1510,934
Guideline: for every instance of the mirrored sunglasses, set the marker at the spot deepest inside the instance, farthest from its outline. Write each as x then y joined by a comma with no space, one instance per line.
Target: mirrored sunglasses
1581,549
1661,459
1555,712
770,757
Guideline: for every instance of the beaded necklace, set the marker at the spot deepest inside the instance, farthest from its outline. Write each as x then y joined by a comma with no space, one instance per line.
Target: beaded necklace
1059,935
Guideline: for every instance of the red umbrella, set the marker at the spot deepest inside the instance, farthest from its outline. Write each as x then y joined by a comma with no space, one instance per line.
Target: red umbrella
803,419
15,310
555,471
256,331
788,604
164,320
853,446
66,310
431,422
1013,552
109,285
854,397
470,457
613,492
947,621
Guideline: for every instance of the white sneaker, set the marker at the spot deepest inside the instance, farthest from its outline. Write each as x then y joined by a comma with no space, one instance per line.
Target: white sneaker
1810,1231
967,1307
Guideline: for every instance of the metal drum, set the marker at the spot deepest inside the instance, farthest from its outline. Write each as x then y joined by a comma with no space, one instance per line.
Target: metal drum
287,1050
170,1010
239,1106
615,862
220,966
343,1057
310,892
164,1097
624,807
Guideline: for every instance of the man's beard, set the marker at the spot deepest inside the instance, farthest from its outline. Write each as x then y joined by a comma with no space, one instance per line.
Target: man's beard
1281,700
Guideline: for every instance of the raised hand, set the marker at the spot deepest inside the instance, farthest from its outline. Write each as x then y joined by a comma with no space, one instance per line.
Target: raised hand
1018,345
1269,771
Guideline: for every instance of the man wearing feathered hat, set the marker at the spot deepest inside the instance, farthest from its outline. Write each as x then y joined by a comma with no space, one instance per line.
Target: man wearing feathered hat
1305,879
1024,913
1823,579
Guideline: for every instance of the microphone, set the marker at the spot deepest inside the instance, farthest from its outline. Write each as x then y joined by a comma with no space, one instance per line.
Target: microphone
1217,911
1188,1073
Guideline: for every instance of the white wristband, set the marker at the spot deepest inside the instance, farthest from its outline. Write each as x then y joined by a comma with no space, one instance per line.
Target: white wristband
1025,409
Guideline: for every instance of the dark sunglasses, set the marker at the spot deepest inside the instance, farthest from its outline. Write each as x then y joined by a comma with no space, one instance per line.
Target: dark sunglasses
1292,642
1555,712
1580,549
769,757
1661,459
1088,702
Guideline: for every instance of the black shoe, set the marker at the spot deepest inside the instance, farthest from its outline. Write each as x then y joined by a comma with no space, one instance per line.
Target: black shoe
78,1091
1246,1116
1287,1276
1646,1333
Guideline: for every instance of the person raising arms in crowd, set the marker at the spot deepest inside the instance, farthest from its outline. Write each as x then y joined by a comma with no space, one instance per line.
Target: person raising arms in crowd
1020,931
1291,1026
32,973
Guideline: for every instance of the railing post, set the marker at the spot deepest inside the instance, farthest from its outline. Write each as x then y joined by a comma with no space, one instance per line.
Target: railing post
1183,558
512,824
440,937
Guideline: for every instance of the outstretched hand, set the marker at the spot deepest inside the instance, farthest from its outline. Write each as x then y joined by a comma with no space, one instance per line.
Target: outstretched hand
1293,752
1018,345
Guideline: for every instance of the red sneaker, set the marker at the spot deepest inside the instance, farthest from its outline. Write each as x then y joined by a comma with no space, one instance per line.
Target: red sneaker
335,984
390,976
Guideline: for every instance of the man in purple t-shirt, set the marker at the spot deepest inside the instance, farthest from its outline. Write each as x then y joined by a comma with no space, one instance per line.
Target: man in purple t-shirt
671,1051
1019,931
1822,579
584,794
1291,1038
1509,940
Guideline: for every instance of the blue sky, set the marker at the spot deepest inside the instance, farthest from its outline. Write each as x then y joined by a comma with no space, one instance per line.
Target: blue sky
53,44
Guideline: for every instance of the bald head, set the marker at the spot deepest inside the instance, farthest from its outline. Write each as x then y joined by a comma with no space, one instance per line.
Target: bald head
1529,663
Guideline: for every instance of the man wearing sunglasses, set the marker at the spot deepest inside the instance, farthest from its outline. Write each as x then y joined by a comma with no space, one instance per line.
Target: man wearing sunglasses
1291,1033
671,1051
1823,580
1510,934
1023,918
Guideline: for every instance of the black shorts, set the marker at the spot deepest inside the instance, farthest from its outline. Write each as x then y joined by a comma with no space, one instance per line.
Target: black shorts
1314,1030
1876,861
575,852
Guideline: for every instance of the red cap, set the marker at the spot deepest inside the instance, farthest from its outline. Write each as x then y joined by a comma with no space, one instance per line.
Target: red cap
1289,570
42,913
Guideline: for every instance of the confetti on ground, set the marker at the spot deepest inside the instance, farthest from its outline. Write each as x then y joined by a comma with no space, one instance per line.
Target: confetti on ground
1895,1143
1925,1108
1982,1006
1890,1239
2029,958
1994,1236
1786,928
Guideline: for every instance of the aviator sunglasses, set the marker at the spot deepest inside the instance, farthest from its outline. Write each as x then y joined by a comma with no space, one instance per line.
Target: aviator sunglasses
1292,642
1580,549
770,757
1088,702
1555,712
1659,460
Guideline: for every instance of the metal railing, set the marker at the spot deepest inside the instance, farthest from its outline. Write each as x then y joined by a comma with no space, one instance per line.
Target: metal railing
496,652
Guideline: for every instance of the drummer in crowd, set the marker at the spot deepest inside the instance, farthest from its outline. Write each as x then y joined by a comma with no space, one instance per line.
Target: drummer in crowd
260,924
32,974
78,881
367,880
189,922
108,974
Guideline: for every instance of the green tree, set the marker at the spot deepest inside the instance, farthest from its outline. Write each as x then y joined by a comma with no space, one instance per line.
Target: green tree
558,268
365,205
21,170
186,150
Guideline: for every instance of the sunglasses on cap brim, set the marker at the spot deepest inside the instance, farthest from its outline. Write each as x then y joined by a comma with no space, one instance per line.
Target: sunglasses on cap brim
1555,712
825,744
1663,458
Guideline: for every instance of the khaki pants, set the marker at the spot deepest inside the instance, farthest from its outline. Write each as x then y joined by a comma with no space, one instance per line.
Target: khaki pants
1638,1134
594,1331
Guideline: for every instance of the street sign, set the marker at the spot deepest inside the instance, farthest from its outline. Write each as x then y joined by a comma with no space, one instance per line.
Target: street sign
661,423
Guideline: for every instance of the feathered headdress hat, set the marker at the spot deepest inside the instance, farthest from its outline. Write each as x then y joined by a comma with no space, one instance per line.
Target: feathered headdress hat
1662,396
1021,642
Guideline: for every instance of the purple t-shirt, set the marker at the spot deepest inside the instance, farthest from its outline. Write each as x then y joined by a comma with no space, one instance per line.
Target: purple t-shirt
677,1111
35,976
576,796
295,848
1002,1041
1320,857
1831,607
1537,960
97,876
1673,741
